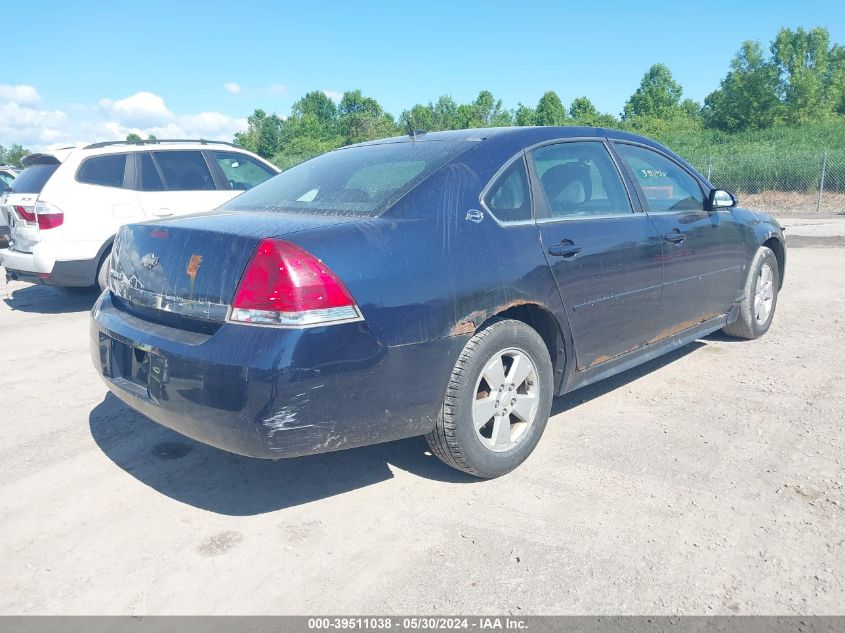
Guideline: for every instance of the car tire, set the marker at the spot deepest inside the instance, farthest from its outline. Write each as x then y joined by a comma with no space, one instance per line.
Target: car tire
514,355
760,297
103,271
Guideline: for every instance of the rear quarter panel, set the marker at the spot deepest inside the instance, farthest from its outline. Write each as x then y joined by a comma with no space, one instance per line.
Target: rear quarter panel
423,271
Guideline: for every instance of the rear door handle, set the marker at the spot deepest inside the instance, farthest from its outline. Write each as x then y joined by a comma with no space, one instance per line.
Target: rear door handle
676,237
566,249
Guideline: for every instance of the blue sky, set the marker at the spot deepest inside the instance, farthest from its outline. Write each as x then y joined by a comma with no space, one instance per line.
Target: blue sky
77,68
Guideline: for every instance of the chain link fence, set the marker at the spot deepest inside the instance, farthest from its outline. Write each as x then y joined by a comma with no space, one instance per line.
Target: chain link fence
800,182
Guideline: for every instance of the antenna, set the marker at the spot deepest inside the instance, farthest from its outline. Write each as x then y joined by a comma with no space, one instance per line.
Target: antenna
410,128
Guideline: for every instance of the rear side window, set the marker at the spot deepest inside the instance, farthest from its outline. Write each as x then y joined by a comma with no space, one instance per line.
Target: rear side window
103,170
184,170
358,181
509,199
580,179
665,184
32,179
149,178
5,179
241,171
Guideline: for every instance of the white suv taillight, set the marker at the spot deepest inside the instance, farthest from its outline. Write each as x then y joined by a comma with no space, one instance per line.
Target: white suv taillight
49,217
284,285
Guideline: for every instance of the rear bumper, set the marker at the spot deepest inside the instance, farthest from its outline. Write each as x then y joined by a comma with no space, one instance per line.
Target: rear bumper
271,392
40,267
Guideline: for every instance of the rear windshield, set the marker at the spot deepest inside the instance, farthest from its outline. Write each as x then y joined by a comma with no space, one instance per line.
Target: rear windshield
32,179
358,181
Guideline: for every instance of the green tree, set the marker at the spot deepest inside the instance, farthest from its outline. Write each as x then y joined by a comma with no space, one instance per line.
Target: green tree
363,119
420,117
133,138
441,115
583,112
550,110
485,111
263,134
151,138
446,114
13,155
659,95
317,104
803,59
524,115
748,96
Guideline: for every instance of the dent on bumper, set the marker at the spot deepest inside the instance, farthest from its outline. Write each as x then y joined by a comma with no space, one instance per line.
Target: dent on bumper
270,392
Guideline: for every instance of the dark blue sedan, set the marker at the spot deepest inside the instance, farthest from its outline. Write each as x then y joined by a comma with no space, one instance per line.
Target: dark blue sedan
446,285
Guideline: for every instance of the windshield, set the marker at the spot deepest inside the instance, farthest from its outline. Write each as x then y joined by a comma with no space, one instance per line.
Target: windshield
357,181
32,179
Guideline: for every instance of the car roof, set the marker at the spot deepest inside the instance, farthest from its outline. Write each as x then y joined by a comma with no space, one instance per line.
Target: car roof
530,134
120,147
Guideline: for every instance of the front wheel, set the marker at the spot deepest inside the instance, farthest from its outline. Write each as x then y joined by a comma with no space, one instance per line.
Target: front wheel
761,296
497,402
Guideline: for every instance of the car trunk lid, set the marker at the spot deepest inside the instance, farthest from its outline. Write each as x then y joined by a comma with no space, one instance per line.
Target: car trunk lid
192,265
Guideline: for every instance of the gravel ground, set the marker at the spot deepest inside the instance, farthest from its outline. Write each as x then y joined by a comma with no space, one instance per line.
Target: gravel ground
708,481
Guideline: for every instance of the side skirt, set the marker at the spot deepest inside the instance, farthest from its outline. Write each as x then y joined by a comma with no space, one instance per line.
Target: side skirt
649,352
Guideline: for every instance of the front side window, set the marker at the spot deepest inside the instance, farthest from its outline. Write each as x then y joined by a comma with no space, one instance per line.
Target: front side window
360,181
5,179
241,171
665,184
103,170
579,179
184,170
509,199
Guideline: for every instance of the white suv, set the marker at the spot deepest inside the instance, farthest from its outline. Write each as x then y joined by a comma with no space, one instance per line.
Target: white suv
7,176
65,207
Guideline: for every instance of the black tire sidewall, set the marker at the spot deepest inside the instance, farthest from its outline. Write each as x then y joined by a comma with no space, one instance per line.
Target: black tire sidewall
507,335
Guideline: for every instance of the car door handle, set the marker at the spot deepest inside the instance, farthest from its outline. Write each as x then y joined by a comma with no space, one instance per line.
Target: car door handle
566,249
676,237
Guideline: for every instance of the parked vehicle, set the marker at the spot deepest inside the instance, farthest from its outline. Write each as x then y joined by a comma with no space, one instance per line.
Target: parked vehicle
445,284
7,175
65,207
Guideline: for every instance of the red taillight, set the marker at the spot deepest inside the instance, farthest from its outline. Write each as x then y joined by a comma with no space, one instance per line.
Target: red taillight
285,285
50,221
29,216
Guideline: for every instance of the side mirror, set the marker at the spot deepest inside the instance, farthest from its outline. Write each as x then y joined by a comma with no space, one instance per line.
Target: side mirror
720,199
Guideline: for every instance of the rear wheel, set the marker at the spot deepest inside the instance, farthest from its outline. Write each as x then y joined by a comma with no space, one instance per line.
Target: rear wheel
761,296
497,401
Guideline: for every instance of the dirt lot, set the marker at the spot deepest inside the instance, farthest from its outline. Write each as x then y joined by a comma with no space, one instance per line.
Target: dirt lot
708,481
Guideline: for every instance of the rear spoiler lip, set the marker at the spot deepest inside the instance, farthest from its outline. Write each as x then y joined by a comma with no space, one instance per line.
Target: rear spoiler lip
39,159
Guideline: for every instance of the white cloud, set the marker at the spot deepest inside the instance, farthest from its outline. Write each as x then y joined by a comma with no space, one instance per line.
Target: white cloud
277,89
333,95
232,88
23,121
22,95
141,109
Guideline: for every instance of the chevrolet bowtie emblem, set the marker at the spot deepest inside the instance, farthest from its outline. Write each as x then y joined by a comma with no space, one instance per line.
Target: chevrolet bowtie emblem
150,260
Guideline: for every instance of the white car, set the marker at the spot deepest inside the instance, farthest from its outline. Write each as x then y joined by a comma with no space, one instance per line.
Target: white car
65,207
7,176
